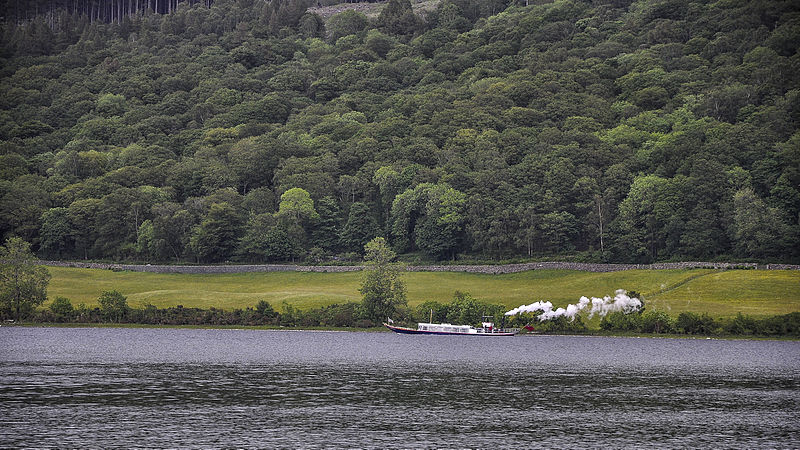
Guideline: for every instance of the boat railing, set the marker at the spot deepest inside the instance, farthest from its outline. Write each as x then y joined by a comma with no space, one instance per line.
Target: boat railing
498,330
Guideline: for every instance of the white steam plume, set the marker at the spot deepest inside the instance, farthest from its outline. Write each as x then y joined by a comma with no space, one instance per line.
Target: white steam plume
602,306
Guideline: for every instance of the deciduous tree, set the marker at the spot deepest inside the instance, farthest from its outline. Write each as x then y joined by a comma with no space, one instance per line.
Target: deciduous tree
23,283
113,305
382,289
218,234
360,228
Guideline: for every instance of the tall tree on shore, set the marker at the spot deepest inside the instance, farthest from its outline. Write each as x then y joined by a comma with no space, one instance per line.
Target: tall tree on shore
383,290
23,283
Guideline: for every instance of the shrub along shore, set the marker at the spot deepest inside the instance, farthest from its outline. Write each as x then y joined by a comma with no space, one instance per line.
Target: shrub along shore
114,309
701,301
342,318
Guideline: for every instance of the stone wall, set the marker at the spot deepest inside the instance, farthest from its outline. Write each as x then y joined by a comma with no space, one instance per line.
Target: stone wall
485,269
205,269
780,267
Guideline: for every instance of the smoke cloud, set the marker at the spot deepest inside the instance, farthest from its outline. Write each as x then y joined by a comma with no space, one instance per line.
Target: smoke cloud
602,306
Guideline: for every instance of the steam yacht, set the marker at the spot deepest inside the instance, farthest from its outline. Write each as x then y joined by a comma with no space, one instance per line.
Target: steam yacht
487,329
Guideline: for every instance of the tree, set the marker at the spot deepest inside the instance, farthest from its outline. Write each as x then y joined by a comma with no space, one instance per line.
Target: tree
691,323
62,308
268,239
360,228
431,217
23,283
398,18
217,236
171,226
146,243
346,23
657,322
113,305
758,230
312,26
297,204
449,16
56,232
284,242
383,291
83,219
315,175
557,230
466,310
378,42
644,216
325,233
250,162
442,228
295,216
22,204
109,105
388,181
266,310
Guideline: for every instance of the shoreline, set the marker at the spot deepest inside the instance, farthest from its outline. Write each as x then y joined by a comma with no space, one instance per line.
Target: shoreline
591,334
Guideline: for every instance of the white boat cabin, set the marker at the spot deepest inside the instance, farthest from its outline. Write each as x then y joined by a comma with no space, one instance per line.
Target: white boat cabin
449,328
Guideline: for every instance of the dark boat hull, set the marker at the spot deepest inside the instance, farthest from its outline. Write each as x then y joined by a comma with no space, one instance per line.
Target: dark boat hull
403,330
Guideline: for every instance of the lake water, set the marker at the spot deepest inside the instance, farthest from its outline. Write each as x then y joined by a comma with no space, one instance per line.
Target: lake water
103,387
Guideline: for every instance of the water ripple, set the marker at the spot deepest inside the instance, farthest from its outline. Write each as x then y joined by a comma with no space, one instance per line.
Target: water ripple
221,388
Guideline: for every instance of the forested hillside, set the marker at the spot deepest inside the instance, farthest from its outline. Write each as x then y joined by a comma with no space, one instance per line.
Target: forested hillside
256,131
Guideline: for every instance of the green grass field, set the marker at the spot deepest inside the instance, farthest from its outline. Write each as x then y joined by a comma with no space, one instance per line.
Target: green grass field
719,293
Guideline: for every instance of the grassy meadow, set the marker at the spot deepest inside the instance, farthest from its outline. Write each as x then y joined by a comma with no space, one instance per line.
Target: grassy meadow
719,293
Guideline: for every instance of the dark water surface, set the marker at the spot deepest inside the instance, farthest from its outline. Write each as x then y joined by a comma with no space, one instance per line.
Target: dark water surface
72,387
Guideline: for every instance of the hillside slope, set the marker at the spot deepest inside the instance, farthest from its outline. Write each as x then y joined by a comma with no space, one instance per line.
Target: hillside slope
719,293
607,131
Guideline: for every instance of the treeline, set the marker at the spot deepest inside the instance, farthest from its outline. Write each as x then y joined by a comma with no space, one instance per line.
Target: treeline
113,308
255,131
262,314
58,13
104,10
659,322
462,310
703,324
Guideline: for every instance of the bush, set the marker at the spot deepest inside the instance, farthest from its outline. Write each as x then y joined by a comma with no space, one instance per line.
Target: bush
114,308
465,310
264,308
364,323
785,325
741,325
432,311
619,321
657,322
62,309
691,323
113,305
562,324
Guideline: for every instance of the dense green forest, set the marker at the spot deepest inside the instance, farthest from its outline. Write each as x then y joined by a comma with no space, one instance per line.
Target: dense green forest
247,130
